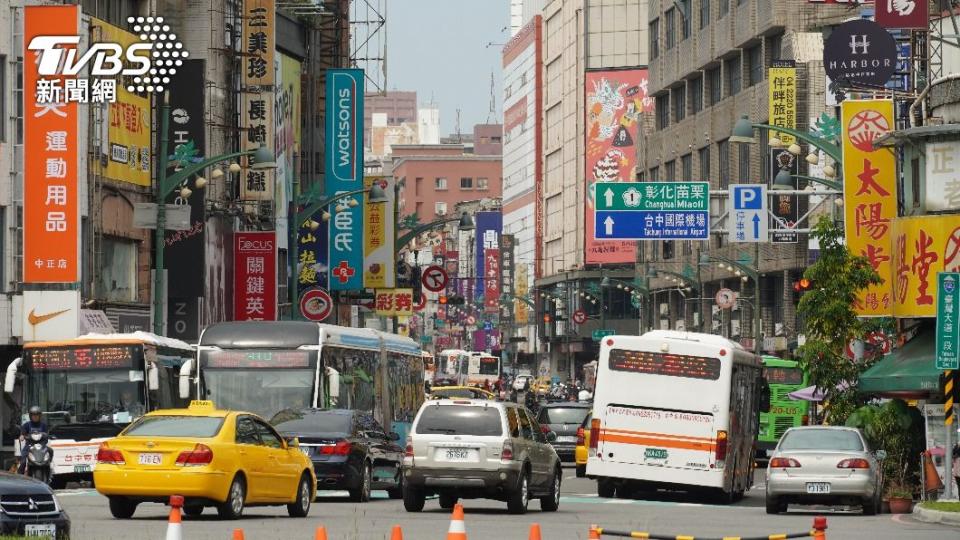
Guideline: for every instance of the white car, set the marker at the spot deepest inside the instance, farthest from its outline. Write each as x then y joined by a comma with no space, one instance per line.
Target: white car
521,381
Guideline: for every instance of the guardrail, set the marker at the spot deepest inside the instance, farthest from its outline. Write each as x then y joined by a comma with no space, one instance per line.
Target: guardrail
818,532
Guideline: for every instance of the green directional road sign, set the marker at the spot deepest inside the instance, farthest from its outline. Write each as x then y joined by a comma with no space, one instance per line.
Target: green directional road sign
948,331
664,196
600,334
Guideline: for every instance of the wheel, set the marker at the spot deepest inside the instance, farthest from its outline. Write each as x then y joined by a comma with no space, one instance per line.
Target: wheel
122,508
301,507
581,471
625,491
57,482
551,502
362,493
193,510
517,503
774,506
413,499
606,489
232,508
397,492
448,501
871,507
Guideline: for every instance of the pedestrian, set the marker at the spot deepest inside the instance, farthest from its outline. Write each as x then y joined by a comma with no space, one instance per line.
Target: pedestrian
486,385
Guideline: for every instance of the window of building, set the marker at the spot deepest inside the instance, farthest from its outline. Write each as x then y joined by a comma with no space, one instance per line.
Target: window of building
724,7
679,103
704,13
743,163
419,208
417,183
3,98
117,278
723,151
655,174
731,67
696,95
670,171
483,183
684,19
775,46
440,208
654,38
915,181
716,88
466,183
670,23
662,105
741,2
686,167
18,101
703,156
755,65
440,183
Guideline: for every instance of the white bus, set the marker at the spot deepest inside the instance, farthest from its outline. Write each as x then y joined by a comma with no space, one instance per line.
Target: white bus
452,365
675,410
482,368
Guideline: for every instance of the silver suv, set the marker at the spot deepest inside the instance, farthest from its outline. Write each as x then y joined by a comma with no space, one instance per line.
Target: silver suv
480,449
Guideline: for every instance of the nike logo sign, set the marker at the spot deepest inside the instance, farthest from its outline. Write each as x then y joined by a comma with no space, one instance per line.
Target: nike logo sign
35,319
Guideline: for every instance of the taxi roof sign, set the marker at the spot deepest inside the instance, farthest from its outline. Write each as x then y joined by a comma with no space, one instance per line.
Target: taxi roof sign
202,404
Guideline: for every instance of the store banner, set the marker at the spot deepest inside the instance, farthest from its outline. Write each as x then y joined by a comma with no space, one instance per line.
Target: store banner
520,308
785,208
379,236
923,246
942,189
257,100
312,262
491,278
343,168
255,276
615,102
870,196
488,227
902,14
782,101
286,140
508,244
51,202
393,302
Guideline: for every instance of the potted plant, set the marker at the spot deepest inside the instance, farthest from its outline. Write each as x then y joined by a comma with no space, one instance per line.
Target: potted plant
900,497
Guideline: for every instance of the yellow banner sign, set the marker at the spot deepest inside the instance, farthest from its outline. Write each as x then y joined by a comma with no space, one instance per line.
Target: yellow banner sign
922,247
394,302
257,105
379,235
783,98
520,307
870,196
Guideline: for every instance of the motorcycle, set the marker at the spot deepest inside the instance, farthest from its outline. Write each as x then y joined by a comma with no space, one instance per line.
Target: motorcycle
39,457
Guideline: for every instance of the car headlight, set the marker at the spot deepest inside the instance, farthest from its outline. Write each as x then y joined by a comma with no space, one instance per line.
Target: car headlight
56,504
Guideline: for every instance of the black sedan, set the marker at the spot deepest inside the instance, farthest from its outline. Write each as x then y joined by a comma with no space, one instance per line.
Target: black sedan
29,508
564,418
349,450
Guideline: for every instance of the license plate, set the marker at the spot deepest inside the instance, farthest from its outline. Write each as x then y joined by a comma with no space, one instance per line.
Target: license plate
818,488
36,529
566,438
81,468
150,459
457,454
655,453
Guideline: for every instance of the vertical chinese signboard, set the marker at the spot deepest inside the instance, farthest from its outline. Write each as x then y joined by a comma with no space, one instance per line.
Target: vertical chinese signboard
923,246
343,168
311,270
491,277
256,107
785,208
942,188
488,227
51,217
870,196
948,292
287,139
783,99
379,236
615,101
507,276
519,306
255,276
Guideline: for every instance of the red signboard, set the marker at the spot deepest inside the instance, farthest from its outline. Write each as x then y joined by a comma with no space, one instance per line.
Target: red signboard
255,276
491,287
902,13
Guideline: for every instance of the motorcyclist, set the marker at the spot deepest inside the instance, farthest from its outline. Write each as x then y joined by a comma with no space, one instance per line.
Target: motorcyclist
35,423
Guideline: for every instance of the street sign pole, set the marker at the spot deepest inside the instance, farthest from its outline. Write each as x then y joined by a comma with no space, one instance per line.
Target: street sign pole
652,211
948,331
749,222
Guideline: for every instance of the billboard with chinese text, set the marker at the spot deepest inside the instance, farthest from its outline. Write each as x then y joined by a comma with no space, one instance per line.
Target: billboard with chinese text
379,236
257,100
255,276
922,247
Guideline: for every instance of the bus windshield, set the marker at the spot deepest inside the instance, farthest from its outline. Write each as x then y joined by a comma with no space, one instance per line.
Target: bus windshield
784,375
109,395
263,382
489,365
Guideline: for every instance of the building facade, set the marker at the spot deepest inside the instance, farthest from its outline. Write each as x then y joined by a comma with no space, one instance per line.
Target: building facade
398,106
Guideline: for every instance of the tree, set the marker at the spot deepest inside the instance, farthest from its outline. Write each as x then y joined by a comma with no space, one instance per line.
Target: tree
831,321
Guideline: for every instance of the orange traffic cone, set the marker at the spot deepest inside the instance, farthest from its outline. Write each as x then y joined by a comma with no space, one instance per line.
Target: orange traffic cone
238,534
819,528
931,478
396,533
174,531
594,533
321,533
458,528
534,532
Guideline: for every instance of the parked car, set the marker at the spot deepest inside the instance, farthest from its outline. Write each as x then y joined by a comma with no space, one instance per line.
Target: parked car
465,449
564,418
824,465
454,392
29,508
583,446
349,450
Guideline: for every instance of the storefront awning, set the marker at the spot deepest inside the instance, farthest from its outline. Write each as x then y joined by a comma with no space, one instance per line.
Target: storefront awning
911,369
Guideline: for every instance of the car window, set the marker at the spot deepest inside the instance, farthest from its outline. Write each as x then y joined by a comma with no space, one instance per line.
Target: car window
175,426
370,427
586,421
291,421
460,420
563,415
538,434
821,439
526,427
268,437
247,431
512,422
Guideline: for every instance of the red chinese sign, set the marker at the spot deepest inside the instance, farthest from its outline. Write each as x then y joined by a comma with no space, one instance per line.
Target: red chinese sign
902,13
255,276
491,278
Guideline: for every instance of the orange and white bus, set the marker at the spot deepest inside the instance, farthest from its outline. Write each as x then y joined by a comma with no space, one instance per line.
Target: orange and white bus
675,410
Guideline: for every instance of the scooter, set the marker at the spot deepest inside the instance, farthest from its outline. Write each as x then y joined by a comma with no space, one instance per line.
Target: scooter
39,457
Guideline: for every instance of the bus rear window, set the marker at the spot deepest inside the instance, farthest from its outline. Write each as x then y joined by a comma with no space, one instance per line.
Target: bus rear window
489,365
783,375
671,365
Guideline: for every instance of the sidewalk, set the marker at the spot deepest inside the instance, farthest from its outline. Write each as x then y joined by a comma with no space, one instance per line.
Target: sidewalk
935,516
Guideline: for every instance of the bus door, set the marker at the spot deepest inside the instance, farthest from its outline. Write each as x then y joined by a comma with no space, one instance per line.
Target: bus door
657,437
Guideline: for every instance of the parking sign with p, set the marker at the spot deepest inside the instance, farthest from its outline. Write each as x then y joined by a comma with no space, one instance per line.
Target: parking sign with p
748,217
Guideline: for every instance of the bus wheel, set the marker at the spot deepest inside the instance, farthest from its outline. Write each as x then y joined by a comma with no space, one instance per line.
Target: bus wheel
581,471
606,489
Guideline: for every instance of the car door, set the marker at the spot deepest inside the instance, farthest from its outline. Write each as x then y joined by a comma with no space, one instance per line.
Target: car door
543,452
281,471
385,454
530,450
253,458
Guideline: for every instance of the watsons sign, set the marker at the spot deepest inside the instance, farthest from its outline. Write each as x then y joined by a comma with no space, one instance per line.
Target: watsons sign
345,163
860,53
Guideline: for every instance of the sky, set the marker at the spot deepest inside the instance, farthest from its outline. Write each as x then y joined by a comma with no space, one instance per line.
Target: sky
439,49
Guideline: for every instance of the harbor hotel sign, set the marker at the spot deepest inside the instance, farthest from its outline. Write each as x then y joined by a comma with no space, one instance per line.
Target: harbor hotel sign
860,53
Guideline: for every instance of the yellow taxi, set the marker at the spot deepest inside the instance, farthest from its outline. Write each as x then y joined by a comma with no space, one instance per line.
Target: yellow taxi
466,392
583,446
224,459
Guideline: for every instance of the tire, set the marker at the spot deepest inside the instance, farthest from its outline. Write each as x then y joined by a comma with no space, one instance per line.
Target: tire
362,493
397,492
122,508
448,501
871,507
57,482
232,508
606,489
774,506
551,502
413,499
581,471
301,506
193,510
520,498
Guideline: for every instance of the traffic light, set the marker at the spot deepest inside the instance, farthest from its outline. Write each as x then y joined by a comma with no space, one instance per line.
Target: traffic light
443,300
455,300
801,286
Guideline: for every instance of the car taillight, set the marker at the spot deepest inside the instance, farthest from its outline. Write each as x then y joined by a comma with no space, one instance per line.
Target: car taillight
854,463
408,451
594,434
341,448
507,453
784,463
200,455
580,437
105,454
720,453
544,429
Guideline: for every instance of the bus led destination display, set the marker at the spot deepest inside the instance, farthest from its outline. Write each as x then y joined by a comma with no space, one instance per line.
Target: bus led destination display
92,357
673,365
257,359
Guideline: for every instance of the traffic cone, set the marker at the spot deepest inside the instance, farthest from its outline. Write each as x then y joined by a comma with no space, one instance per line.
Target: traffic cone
174,530
819,528
238,534
458,529
396,533
321,533
594,533
534,532
931,478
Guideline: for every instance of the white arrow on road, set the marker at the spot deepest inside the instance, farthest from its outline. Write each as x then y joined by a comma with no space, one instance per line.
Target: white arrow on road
608,194
609,225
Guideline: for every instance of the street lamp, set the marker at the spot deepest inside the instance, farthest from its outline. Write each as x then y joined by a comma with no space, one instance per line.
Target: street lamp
464,223
743,133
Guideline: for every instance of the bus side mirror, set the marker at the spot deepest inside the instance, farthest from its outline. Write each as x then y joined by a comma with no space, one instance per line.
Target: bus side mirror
764,396
10,381
184,380
153,377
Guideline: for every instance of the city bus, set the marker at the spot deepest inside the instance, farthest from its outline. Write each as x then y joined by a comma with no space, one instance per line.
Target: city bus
783,377
675,410
452,365
429,368
482,368
91,387
266,367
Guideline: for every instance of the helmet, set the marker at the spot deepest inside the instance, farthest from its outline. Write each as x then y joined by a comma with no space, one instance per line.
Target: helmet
35,410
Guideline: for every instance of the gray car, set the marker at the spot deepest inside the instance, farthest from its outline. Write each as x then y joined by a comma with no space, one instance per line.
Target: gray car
824,465
466,448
